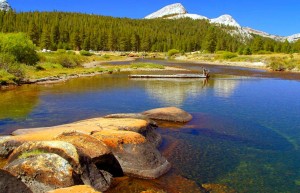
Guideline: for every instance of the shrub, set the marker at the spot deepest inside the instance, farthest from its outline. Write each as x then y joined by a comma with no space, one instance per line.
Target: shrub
68,60
61,51
6,78
172,52
85,53
229,55
247,51
277,64
19,46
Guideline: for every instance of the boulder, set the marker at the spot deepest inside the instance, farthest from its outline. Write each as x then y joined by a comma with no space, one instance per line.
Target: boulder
7,145
42,172
149,132
86,145
172,114
63,149
11,184
75,189
96,160
136,155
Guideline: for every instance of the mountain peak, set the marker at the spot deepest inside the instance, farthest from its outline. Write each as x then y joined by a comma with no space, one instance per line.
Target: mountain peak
226,20
4,6
173,9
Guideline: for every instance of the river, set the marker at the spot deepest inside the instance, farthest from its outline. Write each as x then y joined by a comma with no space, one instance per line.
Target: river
245,132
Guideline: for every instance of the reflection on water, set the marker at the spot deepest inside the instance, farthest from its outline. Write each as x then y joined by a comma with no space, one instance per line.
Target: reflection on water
18,103
225,87
173,92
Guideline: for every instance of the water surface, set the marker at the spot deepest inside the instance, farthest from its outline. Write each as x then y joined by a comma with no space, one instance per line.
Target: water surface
245,132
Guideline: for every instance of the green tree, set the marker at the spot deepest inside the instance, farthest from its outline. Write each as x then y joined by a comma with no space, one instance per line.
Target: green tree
45,39
33,32
210,41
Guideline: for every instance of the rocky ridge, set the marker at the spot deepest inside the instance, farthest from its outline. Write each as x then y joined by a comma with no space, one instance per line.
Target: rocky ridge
177,11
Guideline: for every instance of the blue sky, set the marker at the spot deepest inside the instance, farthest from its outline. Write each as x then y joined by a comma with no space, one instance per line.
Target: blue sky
279,17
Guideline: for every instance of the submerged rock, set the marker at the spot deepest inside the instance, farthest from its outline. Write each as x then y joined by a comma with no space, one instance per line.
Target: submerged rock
43,172
173,114
11,184
136,156
75,189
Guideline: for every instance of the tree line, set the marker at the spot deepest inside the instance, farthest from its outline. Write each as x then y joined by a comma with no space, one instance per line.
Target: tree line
61,30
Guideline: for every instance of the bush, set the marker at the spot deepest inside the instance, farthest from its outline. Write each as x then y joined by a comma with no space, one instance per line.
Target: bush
277,64
61,51
19,46
85,53
172,52
68,60
11,70
229,55
6,78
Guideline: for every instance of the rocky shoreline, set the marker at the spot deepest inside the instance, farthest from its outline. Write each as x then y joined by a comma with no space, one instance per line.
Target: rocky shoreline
87,154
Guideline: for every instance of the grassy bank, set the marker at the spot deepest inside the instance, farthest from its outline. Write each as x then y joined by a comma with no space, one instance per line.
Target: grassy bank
273,61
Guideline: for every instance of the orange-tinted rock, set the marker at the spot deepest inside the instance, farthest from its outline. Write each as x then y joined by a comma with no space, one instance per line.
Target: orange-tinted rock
75,189
11,184
42,172
63,149
173,114
112,137
218,188
86,145
85,126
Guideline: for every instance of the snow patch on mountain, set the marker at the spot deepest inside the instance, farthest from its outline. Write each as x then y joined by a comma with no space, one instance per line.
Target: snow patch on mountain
4,6
173,9
293,38
188,15
225,20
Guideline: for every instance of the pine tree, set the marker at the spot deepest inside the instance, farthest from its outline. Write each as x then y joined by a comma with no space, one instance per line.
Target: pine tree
33,33
210,41
55,36
45,39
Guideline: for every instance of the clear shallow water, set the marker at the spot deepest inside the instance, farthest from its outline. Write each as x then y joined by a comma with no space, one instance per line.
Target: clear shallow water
245,132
